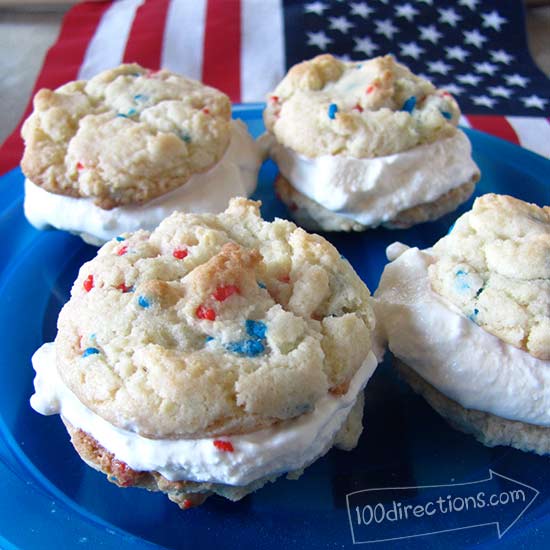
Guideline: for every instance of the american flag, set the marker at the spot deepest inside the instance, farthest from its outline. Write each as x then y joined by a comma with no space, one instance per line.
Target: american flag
476,49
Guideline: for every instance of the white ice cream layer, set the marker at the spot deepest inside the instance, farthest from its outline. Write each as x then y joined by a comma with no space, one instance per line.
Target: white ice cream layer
234,175
452,353
284,447
374,190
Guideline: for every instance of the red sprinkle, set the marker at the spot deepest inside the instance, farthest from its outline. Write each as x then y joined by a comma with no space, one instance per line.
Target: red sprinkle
187,504
284,278
223,292
207,313
180,253
358,108
225,446
206,111
79,166
274,98
123,287
88,284
121,251
446,94
370,89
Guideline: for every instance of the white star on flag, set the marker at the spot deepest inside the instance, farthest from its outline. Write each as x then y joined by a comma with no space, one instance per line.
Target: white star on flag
472,4
500,56
449,16
412,49
485,68
500,91
430,33
475,38
430,2
361,9
493,20
456,52
439,67
516,80
452,88
340,24
484,100
469,78
315,7
319,39
534,101
407,11
365,45
386,27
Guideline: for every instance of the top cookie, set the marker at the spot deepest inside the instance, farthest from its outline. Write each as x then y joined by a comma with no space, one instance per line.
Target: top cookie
495,267
125,136
361,109
212,324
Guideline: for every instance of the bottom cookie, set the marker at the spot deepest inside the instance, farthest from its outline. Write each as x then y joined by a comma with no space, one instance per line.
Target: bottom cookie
187,494
489,429
314,217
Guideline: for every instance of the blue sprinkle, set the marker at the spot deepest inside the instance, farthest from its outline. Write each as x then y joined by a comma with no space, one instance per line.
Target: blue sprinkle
120,239
90,351
479,292
144,302
332,110
256,329
476,311
451,228
185,137
140,97
136,74
447,115
208,339
92,336
473,316
460,273
122,116
131,112
358,66
409,105
261,285
248,348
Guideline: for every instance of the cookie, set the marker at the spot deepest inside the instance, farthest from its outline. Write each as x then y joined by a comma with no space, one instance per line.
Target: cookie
214,351
126,148
468,318
367,141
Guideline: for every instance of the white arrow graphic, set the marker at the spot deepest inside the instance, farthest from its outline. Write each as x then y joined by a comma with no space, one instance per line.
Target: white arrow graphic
394,513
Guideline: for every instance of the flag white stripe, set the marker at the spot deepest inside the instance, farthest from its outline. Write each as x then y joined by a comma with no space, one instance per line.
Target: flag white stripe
106,48
533,133
262,48
182,50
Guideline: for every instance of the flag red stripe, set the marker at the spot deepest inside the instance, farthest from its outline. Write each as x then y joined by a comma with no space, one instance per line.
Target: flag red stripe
61,65
495,125
144,44
221,66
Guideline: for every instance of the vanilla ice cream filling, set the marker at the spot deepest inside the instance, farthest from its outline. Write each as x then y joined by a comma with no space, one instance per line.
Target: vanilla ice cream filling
452,353
374,190
234,175
284,447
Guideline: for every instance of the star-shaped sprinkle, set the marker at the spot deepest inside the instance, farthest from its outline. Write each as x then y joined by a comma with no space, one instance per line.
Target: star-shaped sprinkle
516,80
365,45
500,56
534,101
485,68
407,11
472,4
500,91
458,53
430,33
439,67
484,100
340,24
493,20
315,7
386,27
469,78
318,39
411,49
361,9
475,38
449,16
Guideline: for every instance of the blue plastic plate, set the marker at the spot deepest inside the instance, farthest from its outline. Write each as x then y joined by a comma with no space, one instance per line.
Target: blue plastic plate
50,499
